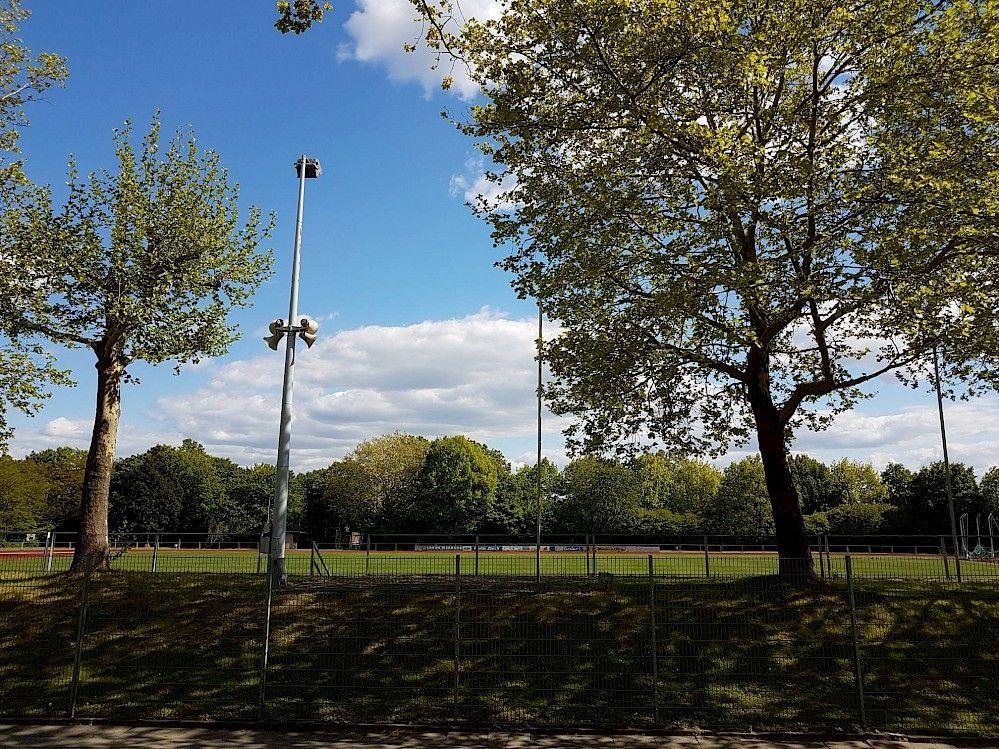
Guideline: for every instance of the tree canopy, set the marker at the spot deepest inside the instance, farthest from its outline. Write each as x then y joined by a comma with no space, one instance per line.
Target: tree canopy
27,369
744,212
144,263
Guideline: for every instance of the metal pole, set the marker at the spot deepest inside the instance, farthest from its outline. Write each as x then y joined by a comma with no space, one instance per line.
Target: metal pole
946,459
50,541
857,673
946,560
457,633
707,561
267,648
655,646
587,546
156,553
279,523
537,551
367,557
476,555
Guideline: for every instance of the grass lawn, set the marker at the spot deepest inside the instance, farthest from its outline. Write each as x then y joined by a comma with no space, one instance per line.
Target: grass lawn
725,652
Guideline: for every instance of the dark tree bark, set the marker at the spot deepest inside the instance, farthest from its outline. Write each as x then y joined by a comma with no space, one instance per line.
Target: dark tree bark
92,547
793,551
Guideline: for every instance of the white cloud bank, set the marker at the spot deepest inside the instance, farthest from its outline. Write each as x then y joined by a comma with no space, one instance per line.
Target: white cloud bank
474,375
379,29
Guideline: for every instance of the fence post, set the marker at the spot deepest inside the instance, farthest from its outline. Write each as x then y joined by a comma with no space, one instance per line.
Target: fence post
50,552
312,559
476,554
707,560
457,635
946,557
828,557
857,673
267,641
593,539
156,553
81,629
367,557
587,547
655,643
822,560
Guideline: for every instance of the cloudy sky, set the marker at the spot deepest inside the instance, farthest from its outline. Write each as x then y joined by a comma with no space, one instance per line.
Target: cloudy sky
420,332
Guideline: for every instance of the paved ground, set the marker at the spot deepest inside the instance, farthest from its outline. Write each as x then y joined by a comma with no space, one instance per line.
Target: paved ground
118,737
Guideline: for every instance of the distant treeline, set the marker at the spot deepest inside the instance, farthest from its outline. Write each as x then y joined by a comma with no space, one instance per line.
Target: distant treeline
402,483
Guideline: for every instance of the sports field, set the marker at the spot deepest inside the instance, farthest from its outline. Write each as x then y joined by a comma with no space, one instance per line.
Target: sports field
522,564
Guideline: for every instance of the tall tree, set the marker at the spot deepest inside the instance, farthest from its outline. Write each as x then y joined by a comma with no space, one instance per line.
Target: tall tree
927,509
143,264
64,468
23,496
857,483
27,370
456,488
741,212
596,495
742,503
813,483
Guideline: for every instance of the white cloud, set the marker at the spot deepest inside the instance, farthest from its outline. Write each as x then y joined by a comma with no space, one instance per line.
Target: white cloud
472,185
76,433
911,435
380,28
474,375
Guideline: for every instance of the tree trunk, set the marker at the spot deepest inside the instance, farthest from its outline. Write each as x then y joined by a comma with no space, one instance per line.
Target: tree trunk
92,548
794,554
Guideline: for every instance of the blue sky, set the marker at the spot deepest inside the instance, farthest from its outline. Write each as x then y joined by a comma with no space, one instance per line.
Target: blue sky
420,331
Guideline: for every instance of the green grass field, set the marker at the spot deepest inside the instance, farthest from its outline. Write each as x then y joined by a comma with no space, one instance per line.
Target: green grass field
665,564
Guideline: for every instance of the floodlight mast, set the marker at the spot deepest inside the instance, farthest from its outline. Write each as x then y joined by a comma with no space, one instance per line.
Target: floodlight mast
307,168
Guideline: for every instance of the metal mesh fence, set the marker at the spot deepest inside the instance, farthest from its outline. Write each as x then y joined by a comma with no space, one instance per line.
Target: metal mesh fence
39,623
691,643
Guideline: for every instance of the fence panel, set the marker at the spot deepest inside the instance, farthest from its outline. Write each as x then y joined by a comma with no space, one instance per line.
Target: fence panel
171,646
929,655
38,631
362,649
560,654
757,652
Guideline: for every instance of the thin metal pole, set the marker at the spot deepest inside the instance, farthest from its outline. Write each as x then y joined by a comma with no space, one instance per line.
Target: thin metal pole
655,646
587,546
279,524
946,459
707,560
267,647
457,634
50,552
857,673
946,558
156,553
367,557
476,555
537,547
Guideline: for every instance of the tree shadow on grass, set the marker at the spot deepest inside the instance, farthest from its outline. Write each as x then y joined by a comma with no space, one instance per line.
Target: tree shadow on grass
38,622
715,653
